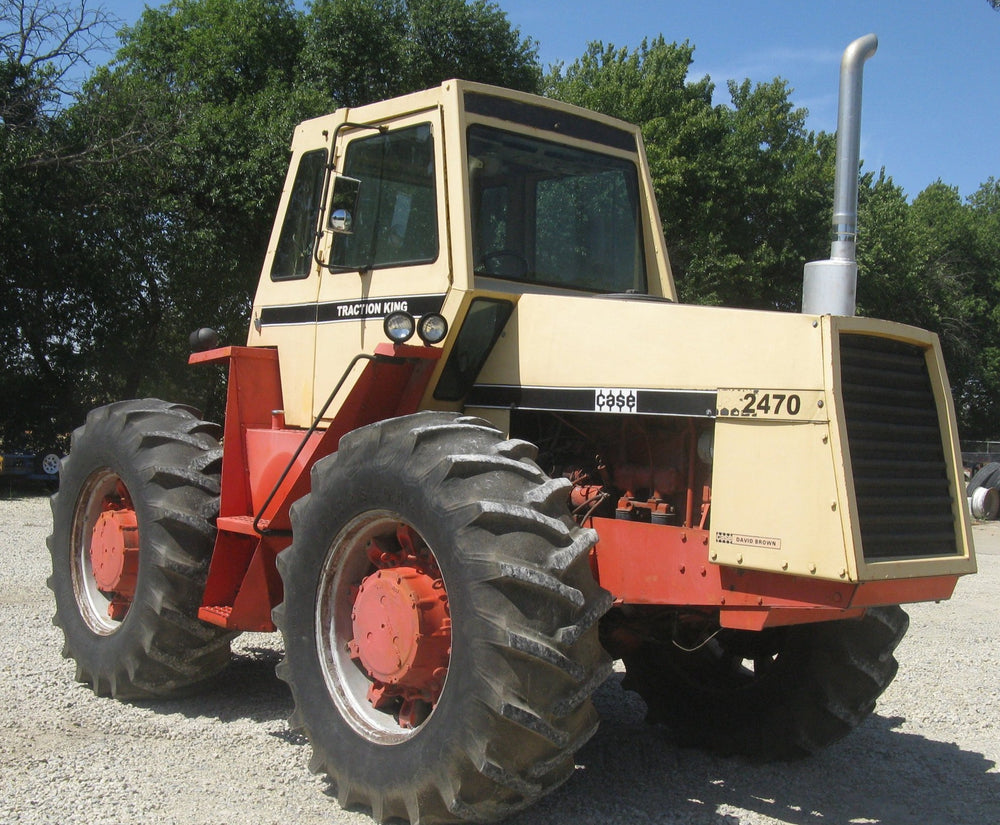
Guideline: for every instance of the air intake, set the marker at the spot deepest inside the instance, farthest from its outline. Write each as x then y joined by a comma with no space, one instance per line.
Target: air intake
904,502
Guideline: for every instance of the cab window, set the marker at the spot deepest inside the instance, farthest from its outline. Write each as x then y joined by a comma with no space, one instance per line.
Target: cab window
554,214
395,223
293,257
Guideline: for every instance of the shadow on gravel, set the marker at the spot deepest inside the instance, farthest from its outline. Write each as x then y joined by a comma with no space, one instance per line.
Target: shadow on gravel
630,772
247,689
23,491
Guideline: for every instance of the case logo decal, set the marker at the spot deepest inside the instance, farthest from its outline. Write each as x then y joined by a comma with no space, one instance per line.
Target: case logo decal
615,401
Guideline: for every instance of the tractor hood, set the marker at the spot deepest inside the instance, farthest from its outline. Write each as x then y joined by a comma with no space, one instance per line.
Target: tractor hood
652,344
809,412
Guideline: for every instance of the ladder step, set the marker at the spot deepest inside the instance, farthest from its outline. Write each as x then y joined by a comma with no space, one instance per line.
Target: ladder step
243,525
217,614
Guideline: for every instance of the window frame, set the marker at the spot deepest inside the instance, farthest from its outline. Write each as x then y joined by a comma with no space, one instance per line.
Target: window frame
526,215
292,205
371,260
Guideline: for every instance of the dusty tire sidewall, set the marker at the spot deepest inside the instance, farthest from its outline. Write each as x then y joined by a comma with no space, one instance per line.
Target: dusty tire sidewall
767,718
104,449
987,476
365,490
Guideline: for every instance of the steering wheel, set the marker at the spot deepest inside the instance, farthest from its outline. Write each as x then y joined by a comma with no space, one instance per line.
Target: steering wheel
504,263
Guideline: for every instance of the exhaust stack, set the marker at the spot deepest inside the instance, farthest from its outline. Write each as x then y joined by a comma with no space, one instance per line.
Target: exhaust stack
829,287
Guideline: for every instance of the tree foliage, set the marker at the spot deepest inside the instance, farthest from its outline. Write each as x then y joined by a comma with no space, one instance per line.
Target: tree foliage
141,210
42,46
361,51
934,263
745,194
742,189
47,305
137,208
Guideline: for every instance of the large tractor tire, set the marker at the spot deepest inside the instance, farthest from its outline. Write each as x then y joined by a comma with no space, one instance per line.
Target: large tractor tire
440,622
779,694
131,541
987,476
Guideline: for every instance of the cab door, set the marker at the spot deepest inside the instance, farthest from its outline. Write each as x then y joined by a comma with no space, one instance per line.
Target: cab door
396,256
284,311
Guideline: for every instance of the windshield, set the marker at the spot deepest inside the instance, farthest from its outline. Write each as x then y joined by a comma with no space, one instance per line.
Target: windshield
552,214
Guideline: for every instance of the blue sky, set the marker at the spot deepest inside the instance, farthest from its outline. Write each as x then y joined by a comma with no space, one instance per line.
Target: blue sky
931,94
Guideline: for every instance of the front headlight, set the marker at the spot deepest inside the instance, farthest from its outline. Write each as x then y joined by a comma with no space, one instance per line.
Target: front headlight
432,328
398,327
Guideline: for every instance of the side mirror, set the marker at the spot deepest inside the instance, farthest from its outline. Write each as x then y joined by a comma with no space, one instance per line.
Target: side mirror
344,204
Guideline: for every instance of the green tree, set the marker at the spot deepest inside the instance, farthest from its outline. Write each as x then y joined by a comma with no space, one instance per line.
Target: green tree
140,209
886,251
474,41
770,209
951,288
220,75
743,190
934,264
360,51
43,45
45,309
176,207
978,398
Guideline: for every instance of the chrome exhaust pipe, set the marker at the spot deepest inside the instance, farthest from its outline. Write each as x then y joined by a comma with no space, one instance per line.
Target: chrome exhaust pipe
830,287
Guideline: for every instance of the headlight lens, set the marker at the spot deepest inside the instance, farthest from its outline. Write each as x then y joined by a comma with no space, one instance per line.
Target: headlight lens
398,327
432,328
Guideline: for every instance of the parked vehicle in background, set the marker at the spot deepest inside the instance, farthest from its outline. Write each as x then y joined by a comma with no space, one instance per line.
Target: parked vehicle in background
983,489
26,466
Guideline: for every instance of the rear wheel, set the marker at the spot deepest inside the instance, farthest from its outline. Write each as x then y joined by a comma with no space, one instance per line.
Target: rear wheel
782,693
131,541
440,622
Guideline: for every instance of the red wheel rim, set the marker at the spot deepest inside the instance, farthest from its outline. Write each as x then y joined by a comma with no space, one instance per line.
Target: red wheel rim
383,627
105,552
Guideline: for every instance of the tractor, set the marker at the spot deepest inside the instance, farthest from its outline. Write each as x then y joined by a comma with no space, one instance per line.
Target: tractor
459,508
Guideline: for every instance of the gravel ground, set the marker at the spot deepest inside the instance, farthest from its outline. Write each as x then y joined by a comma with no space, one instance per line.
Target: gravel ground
928,755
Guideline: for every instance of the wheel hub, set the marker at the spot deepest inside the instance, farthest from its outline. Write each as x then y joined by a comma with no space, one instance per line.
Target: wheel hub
114,554
402,632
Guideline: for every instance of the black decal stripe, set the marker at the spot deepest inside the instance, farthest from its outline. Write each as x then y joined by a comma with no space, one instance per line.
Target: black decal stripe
530,398
539,117
688,403
352,310
677,402
419,304
295,314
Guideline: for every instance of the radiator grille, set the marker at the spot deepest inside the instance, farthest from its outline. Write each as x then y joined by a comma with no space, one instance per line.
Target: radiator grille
900,472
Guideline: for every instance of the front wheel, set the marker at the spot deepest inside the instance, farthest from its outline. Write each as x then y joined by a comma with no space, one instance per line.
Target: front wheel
776,694
131,540
440,622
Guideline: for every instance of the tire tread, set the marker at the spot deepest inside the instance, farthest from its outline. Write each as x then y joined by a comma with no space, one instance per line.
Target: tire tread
172,461
517,540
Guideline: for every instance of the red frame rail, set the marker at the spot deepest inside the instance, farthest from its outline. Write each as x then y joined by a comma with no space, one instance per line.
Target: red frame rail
265,467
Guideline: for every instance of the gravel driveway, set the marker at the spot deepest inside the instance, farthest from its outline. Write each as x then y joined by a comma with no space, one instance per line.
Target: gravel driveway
929,754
